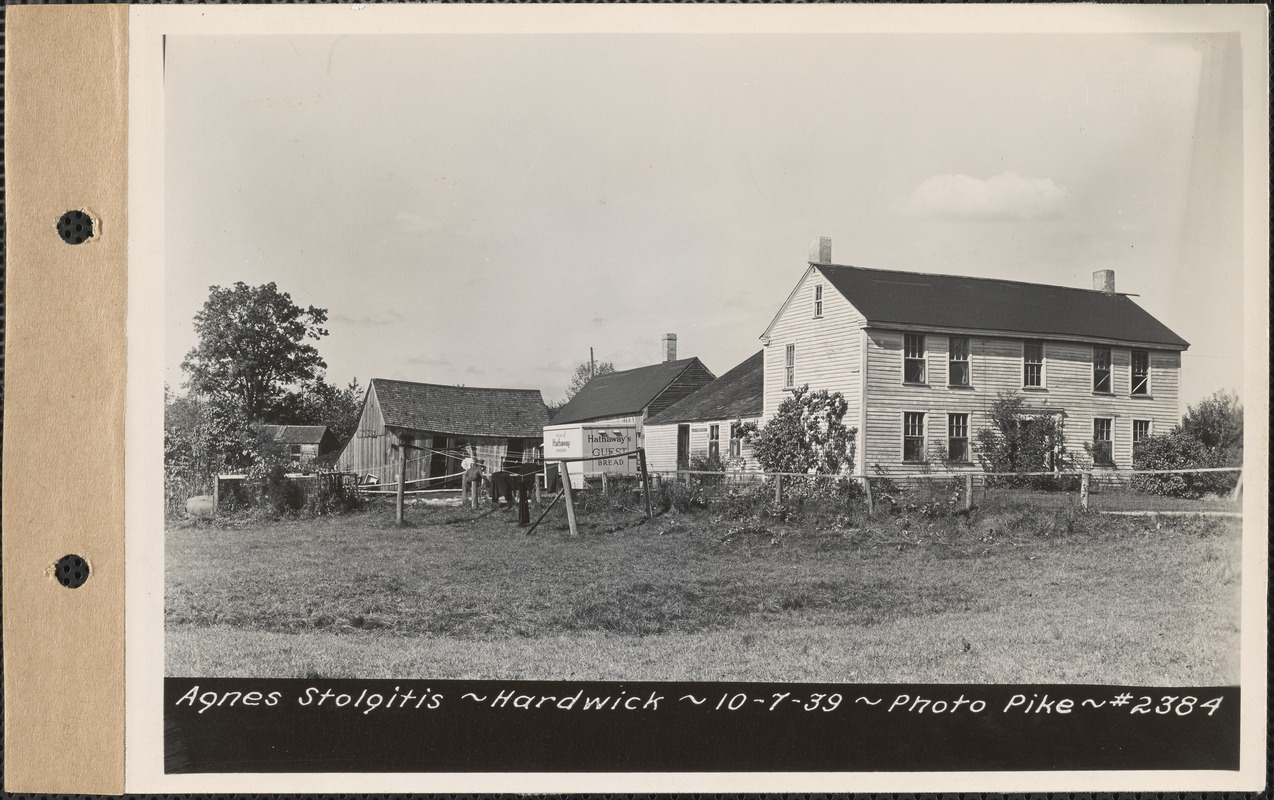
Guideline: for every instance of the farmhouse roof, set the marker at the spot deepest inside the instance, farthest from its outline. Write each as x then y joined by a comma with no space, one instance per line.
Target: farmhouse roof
295,434
461,410
735,395
627,393
950,301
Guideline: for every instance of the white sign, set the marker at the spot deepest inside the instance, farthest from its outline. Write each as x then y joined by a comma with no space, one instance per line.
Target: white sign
602,444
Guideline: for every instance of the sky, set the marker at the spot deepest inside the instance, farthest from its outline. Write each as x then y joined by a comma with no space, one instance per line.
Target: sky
483,209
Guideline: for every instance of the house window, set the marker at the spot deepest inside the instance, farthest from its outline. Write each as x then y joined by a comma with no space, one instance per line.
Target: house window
1140,372
1101,369
1103,452
789,367
296,452
958,437
913,353
818,300
1033,363
736,442
714,441
1140,433
958,361
913,436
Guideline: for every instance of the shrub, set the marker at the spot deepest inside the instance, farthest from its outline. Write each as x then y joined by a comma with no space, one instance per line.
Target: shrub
1019,441
710,463
1178,450
805,435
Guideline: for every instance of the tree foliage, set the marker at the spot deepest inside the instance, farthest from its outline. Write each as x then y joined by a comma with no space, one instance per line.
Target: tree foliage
1216,423
581,376
321,403
254,345
1018,440
1210,435
807,434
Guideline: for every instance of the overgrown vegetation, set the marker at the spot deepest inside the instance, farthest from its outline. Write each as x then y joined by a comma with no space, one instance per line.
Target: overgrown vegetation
1021,440
806,434
254,365
1210,435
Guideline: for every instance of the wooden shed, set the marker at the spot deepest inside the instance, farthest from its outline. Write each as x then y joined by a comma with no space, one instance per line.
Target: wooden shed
439,425
303,443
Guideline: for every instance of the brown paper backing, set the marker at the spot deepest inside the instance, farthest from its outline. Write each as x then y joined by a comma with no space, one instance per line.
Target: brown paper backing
65,145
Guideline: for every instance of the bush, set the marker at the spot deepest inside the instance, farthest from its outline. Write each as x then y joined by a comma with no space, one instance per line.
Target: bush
678,496
1179,450
710,463
278,493
807,433
1019,441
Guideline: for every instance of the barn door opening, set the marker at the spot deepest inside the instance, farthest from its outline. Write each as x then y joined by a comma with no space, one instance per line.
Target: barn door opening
683,447
438,460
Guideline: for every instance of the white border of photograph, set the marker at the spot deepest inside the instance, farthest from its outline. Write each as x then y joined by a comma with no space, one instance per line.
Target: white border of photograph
145,543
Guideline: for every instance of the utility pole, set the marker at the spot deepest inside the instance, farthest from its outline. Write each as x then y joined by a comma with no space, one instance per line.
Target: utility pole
591,363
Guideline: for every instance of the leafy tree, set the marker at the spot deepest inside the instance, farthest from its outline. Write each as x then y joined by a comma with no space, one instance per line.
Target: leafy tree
253,347
321,403
581,376
1019,441
1216,422
807,434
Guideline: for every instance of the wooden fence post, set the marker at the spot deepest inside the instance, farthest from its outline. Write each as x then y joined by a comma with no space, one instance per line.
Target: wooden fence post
475,493
570,498
605,486
871,504
645,478
968,492
216,492
1083,490
402,483
778,490
524,510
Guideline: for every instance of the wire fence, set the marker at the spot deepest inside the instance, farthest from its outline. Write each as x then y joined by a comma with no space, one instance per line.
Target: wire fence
1212,491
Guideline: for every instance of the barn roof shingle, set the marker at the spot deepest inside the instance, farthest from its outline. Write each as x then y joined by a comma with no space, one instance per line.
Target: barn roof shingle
950,301
295,434
461,410
738,394
621,394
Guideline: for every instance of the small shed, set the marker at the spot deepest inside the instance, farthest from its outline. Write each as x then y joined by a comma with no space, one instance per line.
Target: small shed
706,423
304,444
440,425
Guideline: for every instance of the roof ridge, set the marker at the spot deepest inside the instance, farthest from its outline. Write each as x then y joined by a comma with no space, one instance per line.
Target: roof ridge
454,386
821,266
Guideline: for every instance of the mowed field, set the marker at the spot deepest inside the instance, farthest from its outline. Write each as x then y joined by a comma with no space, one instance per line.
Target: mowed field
1016,595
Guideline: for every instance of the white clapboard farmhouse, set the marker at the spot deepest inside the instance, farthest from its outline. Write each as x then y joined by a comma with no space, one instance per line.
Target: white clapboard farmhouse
921,358
706,423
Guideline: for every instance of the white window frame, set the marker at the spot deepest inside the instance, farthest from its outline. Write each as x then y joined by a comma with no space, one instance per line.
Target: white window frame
1043,364
968,361
1110,370
736,442
968,453
1132,371
714,441
789,366
1150,431
1109,441
923,358
905,436
818,300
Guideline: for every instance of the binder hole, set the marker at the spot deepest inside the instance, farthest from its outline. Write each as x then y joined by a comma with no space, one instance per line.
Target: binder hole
76,227
71,571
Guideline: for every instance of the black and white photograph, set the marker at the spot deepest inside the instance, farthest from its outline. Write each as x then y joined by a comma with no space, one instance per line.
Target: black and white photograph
800,375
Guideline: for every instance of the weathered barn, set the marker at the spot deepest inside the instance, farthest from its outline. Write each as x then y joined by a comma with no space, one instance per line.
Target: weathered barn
706,423
921,358
440,425
630,397
304,444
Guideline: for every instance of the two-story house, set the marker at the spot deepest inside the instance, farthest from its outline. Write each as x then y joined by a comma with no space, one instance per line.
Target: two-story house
921,358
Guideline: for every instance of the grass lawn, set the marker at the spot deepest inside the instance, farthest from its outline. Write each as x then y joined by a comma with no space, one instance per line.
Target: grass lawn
1025,595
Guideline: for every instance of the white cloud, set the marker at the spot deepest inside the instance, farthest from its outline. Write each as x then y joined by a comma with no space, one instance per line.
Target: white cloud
1004,196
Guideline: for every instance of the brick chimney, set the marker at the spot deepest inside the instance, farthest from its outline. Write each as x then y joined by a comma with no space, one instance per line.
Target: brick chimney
821,250
670,347
1104,281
